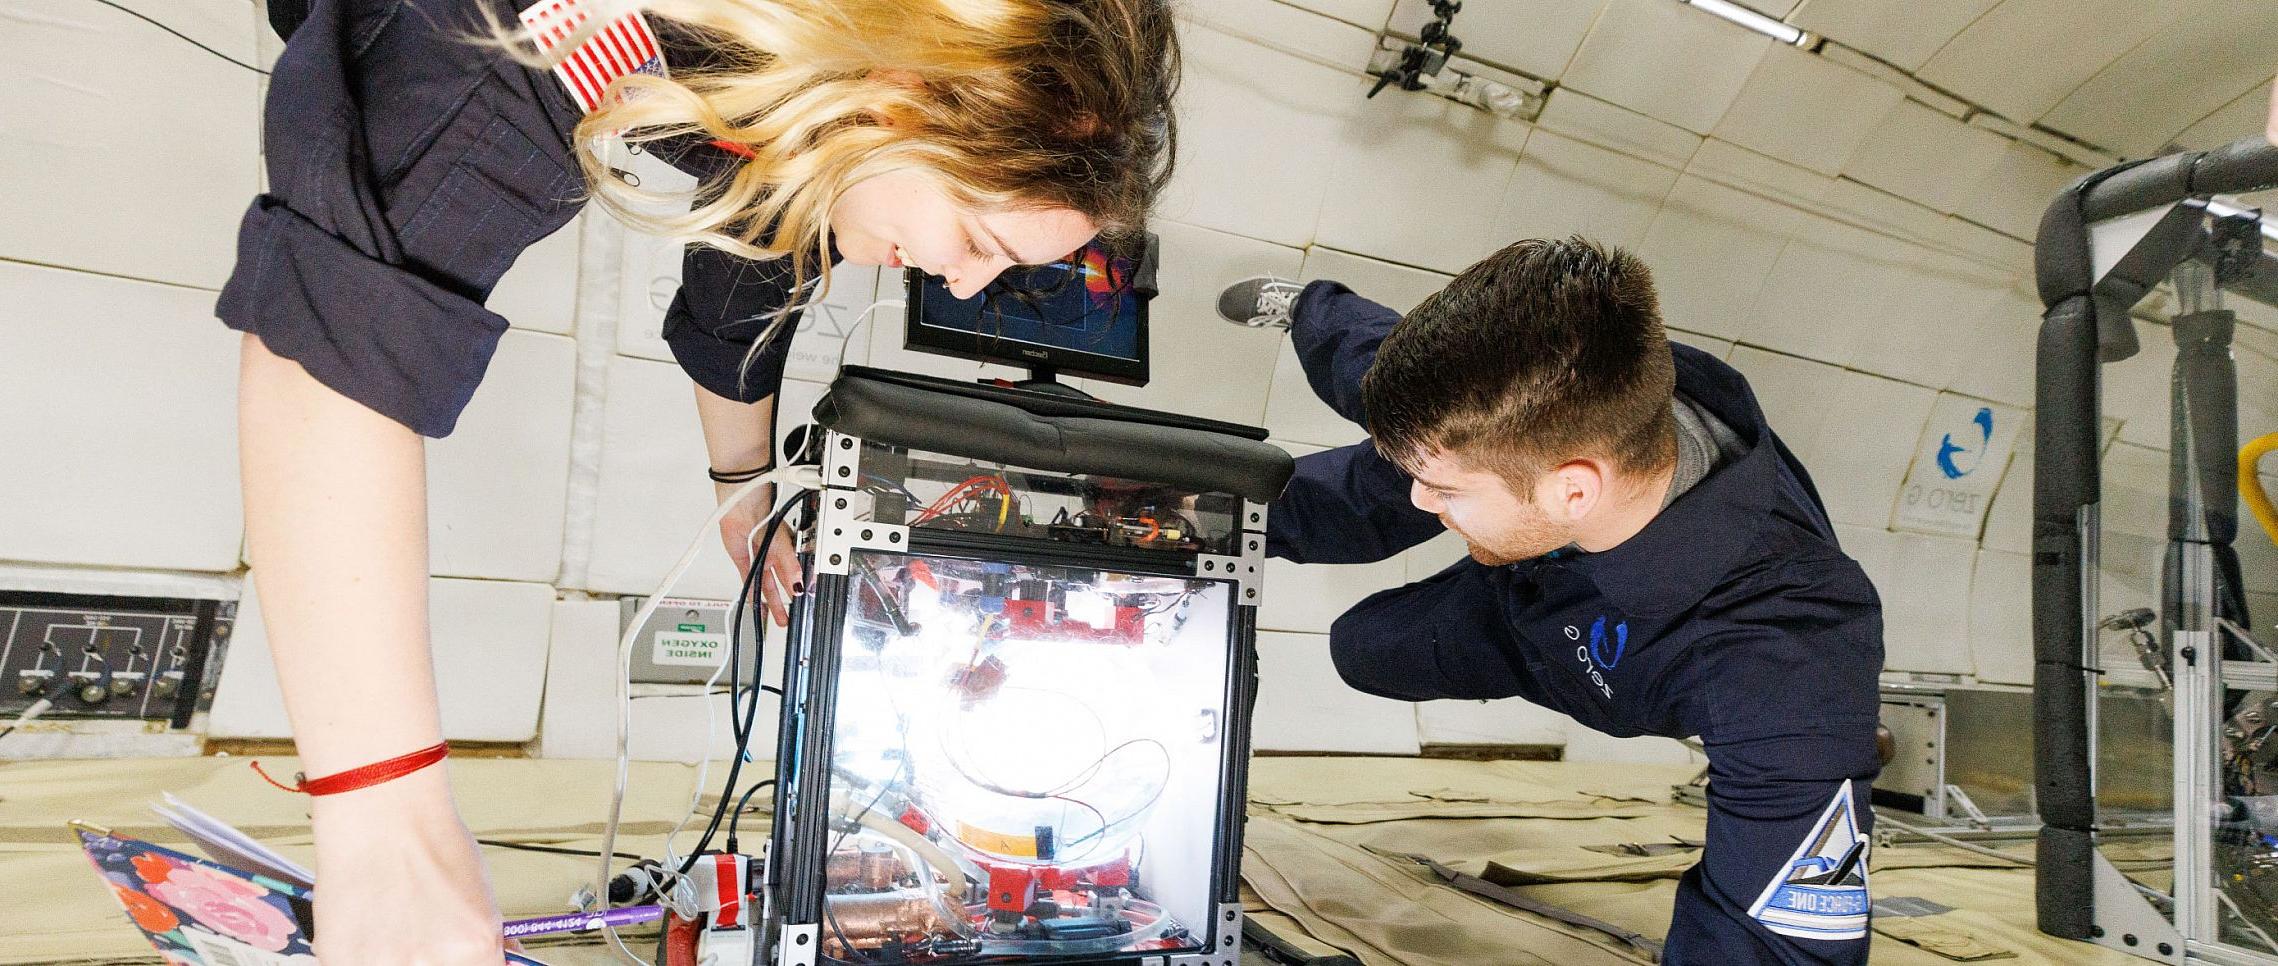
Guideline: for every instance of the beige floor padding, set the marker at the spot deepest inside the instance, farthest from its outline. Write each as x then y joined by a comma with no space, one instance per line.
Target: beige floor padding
1321,863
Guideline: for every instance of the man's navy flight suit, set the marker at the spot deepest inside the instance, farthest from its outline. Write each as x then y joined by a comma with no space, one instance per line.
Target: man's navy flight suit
1732,616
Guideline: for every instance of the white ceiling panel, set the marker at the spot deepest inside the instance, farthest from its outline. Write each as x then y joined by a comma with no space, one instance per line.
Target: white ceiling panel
1242,109
1293,412
2188,69
2017,189
1805,109
1537,37
1666,60
129,152
1303,705
2137,391
121,438
1767,177
1830,283
540,291
1366,13
650,495
2022,57
1614,128
1862,456
498,486
1710,249
1926,604
490,641
1793,394
2009,255
1903,32
1396,287
2000,364
1566,187
1204,365
2245,116
1412,176
1926,330
1925,156
1510,721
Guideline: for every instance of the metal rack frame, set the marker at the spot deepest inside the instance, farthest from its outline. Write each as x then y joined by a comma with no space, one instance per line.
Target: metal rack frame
794,876
2104,244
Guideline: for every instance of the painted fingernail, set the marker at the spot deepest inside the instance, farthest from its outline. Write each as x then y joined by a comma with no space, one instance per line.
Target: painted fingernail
798,587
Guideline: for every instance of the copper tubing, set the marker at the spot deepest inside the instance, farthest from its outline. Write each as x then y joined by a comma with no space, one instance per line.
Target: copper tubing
870,871
869,920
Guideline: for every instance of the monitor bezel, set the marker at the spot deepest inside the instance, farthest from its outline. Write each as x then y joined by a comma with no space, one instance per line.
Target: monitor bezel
917,336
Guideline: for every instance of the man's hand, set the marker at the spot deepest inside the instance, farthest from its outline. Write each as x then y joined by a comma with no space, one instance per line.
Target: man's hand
739,530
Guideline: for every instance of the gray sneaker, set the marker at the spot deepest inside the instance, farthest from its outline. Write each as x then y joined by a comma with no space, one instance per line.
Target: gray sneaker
1259,302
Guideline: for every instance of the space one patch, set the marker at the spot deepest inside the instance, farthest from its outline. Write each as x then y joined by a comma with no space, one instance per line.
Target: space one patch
1822,894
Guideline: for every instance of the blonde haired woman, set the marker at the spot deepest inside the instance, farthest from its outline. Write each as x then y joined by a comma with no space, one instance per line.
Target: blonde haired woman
409,164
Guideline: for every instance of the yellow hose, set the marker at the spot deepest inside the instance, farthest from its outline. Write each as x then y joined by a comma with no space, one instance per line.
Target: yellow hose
2250,483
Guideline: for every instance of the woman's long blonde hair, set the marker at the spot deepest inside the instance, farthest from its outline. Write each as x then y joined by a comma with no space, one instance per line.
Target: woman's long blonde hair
1008,103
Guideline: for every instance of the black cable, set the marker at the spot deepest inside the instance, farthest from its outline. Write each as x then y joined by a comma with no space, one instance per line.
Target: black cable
185,37
736,817
552,850
740,724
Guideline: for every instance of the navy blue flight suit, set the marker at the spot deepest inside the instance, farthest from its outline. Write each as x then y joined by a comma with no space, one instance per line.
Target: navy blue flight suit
408,168
1733,616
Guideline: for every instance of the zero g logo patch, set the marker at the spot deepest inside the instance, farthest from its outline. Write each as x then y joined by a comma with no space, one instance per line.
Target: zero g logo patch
1598,650
1822,891
1600,654
1950,454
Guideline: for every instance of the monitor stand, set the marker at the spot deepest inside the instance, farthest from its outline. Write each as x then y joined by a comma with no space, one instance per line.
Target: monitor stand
1040,379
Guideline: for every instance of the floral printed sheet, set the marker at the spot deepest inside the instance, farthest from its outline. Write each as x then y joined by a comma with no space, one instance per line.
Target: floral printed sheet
199,913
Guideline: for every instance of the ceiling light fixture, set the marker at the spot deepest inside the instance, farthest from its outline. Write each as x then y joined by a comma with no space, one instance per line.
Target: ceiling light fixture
1752,20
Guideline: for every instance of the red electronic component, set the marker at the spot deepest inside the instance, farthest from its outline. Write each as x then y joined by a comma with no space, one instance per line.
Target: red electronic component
1011,888
979,681
1028,615
1035,618
915,820
1116,873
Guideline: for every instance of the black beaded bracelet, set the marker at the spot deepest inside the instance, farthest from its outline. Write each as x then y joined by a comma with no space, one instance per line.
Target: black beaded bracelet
740,476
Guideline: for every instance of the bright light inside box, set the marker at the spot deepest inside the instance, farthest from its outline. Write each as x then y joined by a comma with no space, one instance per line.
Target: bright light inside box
1018,769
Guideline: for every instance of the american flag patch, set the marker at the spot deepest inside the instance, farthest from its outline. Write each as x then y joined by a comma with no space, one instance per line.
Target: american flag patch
623,47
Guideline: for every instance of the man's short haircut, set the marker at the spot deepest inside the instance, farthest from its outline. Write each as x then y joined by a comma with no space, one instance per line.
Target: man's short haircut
1544,352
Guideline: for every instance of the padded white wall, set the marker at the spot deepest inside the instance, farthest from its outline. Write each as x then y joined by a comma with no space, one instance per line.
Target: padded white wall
1833,228
490,645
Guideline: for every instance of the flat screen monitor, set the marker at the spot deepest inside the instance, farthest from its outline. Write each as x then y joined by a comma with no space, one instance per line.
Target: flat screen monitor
1085,315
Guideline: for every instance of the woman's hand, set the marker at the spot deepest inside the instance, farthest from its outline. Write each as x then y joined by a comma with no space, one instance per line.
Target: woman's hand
402,882
782,579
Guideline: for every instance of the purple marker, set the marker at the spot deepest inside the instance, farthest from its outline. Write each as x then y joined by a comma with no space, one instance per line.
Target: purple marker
583,921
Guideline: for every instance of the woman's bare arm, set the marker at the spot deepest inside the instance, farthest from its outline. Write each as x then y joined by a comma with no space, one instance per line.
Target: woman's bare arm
336,523
739,436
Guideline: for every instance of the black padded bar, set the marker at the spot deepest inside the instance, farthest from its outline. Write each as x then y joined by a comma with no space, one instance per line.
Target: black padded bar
2247,164
1058,435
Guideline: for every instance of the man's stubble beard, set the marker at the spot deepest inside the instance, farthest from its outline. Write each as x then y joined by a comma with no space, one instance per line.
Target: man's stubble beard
1536,536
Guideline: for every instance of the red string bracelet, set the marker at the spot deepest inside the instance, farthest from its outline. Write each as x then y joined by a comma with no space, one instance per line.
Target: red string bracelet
363,776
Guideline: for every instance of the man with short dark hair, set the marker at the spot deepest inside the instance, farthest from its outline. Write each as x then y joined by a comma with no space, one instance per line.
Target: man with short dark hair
1645,556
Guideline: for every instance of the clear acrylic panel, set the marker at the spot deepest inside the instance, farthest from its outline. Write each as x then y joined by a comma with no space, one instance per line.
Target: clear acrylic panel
1027,761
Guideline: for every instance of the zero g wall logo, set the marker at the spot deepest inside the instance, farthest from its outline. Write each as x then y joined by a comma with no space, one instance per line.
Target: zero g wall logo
1958,464
1970,456
1603,653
